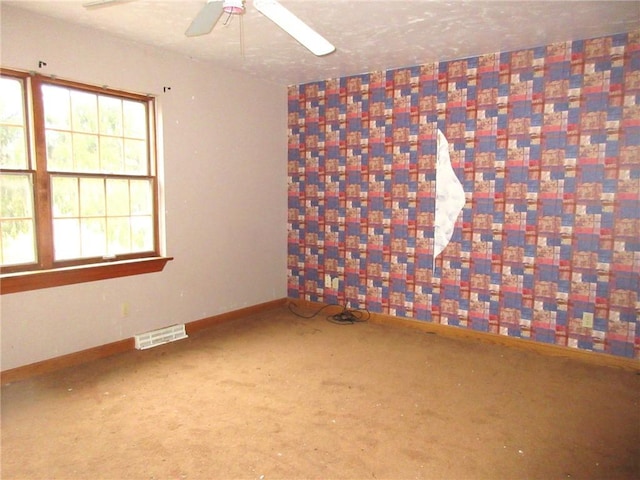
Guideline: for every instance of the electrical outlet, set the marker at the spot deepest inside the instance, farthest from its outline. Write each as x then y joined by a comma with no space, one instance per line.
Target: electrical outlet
587,320
124,310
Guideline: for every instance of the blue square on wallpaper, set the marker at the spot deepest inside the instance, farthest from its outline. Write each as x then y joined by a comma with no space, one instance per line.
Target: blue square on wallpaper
605,256
612,148
632,135
626,281
428,87
554,241
520,206
555,140
482,266
596,102
486,237
486,174
561,318
484,205
600,324
557,174
530,250
594,209
489,79
547,273
569,184
518,174
602,65
586,242
557,71
564,286
598,137
514,238
619,39
538,84
484,297
629,209
573,117
534,151
634,60
591,173
521,109
614,113
551,207
565,252
585,343
624,349
609,185
457,114
544,335
526,75
628,315
571,151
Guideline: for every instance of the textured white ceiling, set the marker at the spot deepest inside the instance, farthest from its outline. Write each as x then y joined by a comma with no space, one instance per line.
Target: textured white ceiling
368,34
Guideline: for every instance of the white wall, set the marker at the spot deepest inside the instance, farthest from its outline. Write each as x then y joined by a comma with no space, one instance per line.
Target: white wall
225,189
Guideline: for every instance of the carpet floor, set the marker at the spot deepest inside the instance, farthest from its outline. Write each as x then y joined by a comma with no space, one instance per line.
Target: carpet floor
276,396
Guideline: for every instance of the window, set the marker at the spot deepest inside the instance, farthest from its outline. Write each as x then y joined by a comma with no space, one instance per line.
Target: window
78,184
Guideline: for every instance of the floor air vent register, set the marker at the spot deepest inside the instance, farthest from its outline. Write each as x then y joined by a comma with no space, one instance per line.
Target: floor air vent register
160,337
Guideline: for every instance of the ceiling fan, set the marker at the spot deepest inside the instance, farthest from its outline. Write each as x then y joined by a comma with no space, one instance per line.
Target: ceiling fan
208,16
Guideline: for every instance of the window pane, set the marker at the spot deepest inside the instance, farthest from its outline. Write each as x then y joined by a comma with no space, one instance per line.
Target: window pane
13,147
117,197
142,233
18,242
57,107
118,235
141,197
84,111
111,155
66,238
92,197
94,237
16,195
13,142
17,222
135,156
11,101
110,115
65,195
85,153
59,151
135,120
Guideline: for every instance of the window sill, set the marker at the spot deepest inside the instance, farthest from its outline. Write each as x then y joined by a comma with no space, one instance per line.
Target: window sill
25,281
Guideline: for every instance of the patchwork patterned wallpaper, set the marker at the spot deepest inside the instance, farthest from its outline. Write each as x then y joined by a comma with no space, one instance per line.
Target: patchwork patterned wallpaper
546,143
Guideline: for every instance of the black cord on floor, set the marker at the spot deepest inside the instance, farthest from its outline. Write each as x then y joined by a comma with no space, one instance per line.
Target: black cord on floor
346,317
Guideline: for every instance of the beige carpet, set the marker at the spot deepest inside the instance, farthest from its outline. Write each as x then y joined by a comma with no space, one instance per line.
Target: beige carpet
276,396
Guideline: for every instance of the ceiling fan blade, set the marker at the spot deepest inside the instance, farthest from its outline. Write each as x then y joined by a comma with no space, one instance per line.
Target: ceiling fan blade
206,19
295,27
103,3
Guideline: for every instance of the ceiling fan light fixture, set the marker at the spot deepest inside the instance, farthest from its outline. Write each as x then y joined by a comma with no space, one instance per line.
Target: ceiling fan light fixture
233,7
